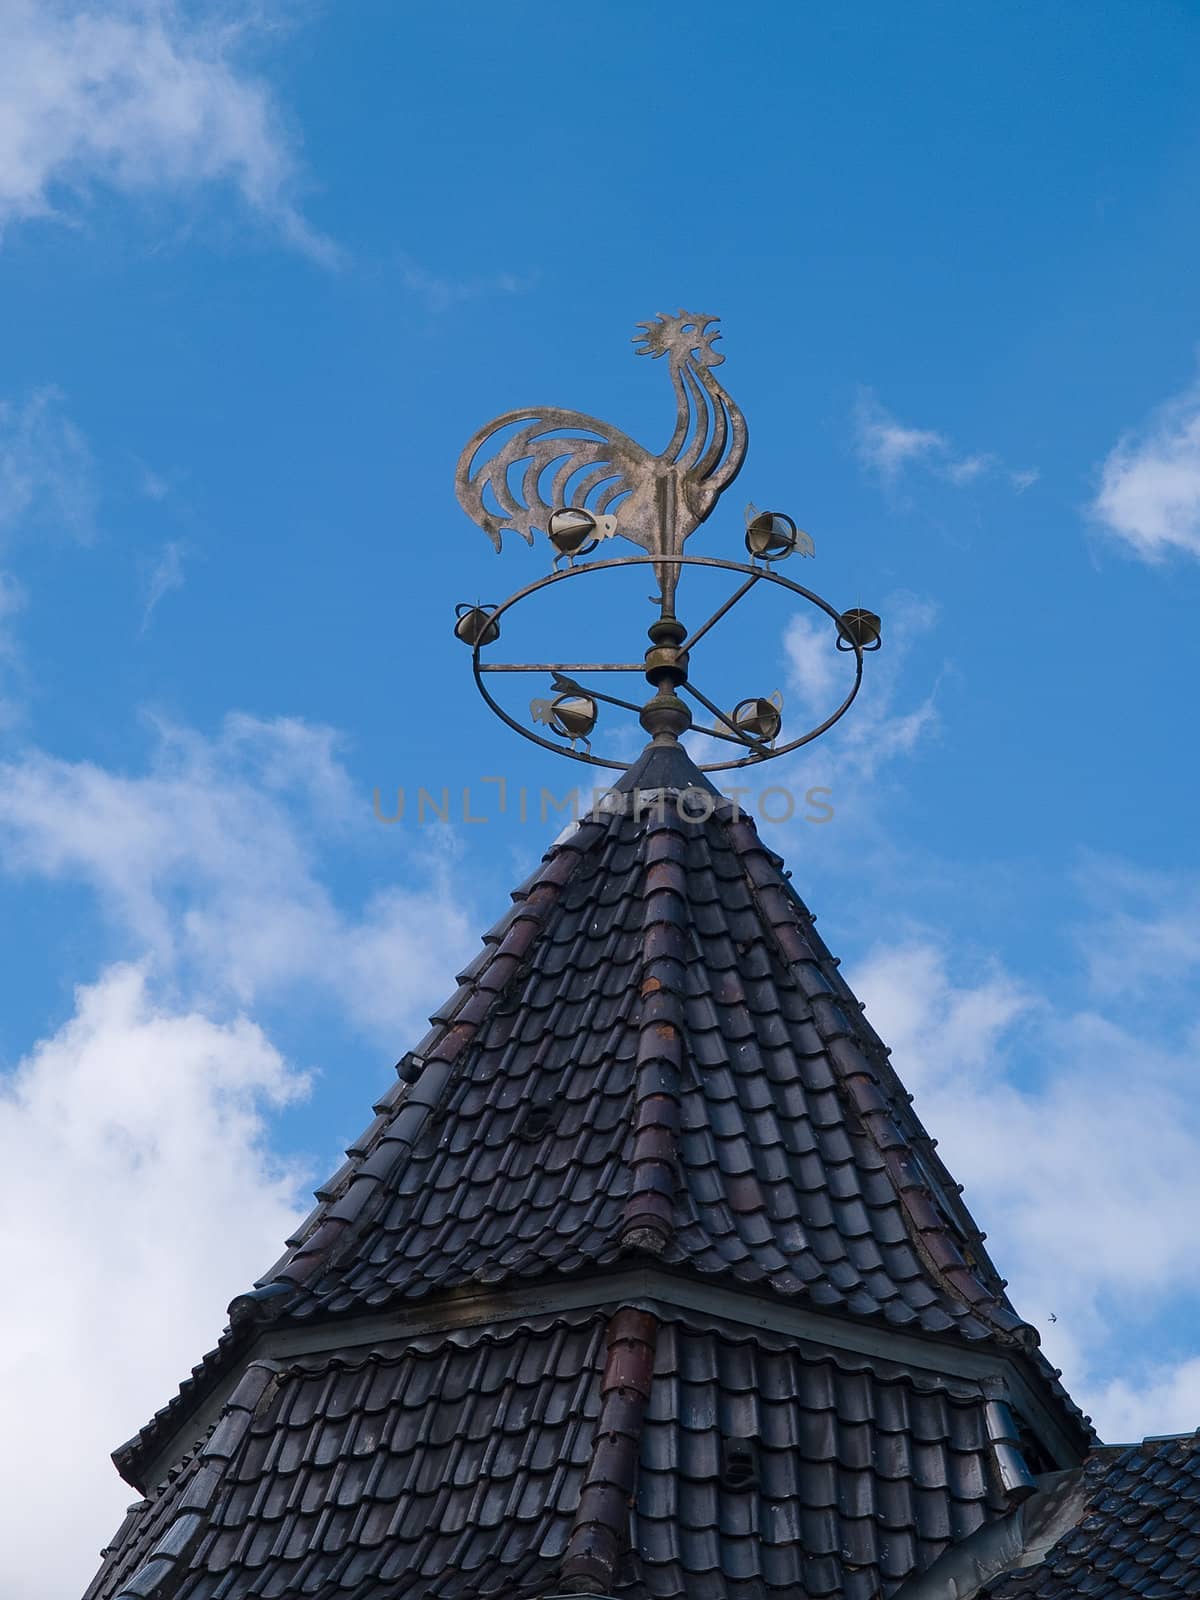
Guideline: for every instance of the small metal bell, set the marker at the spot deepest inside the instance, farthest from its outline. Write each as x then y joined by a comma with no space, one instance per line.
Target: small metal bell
476,625
760,718
859,629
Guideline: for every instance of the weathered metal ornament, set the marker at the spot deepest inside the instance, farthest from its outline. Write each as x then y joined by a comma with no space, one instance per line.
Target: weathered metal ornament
859,628
568,460
759,717
570,529
770,535
575,532
575,715
579,481
475,625
572,716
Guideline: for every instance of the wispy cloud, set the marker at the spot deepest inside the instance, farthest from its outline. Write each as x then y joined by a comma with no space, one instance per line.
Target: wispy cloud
1141,938
46,474
230,828
1149,495
12,601
890,719
888,448
887,721
140,96
164,577
152,484
886,445
439,294
47,487
968,468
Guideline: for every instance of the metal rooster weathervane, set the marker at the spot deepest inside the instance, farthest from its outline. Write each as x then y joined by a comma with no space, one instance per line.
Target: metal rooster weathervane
581,481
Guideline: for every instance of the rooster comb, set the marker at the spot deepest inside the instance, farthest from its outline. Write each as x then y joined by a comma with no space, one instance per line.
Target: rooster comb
682,336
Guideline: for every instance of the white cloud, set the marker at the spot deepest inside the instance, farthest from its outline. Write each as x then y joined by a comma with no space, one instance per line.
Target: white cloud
1149,494
883,725
1079,1143
886,445
817,673
1165,1399
1142,933
141,96
208,864
143,1198
46,478
889,447
136,1139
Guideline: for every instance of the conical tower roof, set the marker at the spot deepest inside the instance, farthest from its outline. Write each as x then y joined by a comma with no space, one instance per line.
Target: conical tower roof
654,1055
645,1280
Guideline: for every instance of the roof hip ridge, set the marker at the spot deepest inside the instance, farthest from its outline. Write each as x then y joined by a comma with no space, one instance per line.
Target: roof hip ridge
438,1057
599,1533
648,1221
936,1233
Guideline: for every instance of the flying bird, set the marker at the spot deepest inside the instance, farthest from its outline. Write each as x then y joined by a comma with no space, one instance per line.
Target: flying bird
525,465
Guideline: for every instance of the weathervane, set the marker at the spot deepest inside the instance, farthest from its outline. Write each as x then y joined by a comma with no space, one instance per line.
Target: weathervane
582,482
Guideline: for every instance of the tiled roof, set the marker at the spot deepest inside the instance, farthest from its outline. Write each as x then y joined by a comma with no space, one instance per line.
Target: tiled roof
500,1461
655,1049
653,1053
1138,1537
652,1076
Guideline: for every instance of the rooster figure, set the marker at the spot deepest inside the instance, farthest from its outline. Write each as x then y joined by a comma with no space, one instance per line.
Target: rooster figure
525,465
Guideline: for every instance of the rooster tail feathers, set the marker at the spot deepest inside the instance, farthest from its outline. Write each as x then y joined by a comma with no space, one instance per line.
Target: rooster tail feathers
525,465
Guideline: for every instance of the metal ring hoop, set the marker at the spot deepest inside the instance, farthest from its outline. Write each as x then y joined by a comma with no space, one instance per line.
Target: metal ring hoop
765,573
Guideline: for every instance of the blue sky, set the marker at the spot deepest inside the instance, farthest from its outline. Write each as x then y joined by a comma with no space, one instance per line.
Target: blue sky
264,271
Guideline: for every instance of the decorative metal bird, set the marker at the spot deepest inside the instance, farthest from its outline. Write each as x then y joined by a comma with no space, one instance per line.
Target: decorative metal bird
525,465
770,535
571,715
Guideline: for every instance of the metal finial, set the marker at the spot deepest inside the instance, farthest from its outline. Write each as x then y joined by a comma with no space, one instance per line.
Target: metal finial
581,482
